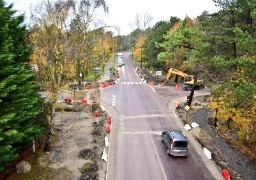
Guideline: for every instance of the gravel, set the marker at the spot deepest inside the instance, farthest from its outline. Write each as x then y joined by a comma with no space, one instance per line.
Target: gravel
224,154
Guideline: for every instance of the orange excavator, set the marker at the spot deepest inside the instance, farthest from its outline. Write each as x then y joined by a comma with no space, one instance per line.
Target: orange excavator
189,81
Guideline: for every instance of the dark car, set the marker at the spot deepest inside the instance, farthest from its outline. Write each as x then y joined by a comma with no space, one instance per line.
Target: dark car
176,143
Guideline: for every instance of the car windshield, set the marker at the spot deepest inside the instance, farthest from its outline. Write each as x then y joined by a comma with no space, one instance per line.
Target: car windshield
180,144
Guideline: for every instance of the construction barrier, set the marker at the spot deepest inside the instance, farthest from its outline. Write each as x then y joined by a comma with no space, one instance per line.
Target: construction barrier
178,86
67,100
108,128
96,114
109,120
83,101
151,83
225,174
89,87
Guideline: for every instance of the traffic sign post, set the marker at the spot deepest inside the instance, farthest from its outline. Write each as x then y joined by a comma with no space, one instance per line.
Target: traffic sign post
158,73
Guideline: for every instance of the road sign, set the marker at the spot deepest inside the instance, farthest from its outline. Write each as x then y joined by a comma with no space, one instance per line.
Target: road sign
159,73
97,70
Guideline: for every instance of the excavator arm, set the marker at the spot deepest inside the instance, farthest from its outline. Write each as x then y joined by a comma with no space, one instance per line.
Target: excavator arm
189,80
174,71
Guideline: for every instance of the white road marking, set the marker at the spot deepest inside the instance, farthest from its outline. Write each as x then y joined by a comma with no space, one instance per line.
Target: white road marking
123,70
142,132
122,126
158,158
152,89
114,100
131,82
129,77
143,116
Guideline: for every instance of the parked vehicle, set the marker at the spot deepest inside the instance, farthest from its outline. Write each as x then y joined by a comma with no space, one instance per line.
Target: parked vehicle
176,143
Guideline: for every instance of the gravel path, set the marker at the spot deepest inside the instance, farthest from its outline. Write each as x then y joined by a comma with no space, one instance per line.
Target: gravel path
236,161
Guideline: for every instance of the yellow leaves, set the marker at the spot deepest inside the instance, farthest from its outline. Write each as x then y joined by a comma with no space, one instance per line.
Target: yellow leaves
38,57
238,117
138,50
239,76
223,114
105,45
213,105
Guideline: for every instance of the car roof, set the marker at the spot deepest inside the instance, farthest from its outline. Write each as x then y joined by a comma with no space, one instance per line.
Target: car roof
177,134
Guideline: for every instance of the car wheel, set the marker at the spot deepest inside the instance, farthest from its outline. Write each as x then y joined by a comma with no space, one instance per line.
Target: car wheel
168,151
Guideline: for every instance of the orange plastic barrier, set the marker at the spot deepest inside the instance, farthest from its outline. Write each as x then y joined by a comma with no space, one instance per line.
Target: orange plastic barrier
225,174
108,128
178,86
151,83
83,101
96,114
67,100
89,87
109,120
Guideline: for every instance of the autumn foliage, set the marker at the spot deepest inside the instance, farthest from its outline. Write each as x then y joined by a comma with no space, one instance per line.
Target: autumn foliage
138,49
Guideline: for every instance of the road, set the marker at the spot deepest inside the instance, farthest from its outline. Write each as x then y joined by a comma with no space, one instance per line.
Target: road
141,114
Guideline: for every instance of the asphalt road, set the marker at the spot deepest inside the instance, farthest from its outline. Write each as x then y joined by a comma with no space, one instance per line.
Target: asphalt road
141,114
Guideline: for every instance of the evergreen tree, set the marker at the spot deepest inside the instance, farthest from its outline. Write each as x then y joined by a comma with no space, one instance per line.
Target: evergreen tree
19,99
156,35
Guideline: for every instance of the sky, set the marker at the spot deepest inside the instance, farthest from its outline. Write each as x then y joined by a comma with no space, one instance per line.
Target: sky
122,13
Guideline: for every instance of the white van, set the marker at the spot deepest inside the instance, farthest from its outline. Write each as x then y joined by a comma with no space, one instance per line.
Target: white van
120,55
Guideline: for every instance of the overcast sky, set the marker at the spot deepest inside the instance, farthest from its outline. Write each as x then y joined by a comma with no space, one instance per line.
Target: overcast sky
122,13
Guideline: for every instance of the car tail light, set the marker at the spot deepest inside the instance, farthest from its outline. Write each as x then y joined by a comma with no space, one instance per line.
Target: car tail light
171,144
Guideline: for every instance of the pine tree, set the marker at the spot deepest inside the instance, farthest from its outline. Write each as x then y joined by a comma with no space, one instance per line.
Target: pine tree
19,98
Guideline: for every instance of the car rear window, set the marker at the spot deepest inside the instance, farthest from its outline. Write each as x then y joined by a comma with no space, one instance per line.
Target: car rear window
180,144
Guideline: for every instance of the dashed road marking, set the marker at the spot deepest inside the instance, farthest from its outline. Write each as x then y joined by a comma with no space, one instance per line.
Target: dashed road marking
142,132
143,116
131,82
